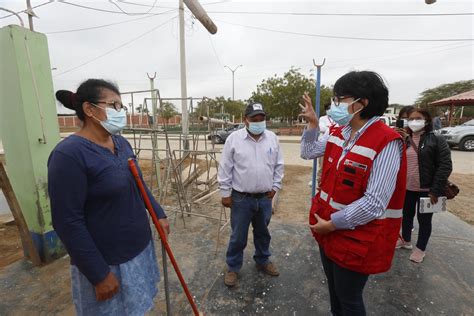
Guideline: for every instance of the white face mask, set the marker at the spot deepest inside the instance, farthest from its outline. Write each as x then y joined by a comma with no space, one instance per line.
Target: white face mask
416,125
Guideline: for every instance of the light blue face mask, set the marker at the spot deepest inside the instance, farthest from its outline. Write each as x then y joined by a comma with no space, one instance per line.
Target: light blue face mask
115,122
340,113
257,128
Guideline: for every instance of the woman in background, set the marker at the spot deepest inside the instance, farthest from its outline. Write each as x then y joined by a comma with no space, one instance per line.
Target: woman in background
428,168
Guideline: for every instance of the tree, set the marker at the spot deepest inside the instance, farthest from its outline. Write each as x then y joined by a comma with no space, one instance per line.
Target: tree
280,96
167,110
442,91
217,105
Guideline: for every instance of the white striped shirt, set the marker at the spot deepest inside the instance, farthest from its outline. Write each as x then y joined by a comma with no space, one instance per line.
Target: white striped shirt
382,179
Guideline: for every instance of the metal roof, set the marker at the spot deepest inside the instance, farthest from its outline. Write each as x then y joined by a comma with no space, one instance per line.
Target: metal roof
465,98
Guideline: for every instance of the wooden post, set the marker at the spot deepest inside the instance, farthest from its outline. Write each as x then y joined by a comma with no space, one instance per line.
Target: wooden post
20,222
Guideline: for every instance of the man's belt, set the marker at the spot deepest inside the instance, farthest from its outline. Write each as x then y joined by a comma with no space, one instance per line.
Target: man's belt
252,195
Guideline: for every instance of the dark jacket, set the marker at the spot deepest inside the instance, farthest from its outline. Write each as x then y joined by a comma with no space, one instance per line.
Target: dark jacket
434,163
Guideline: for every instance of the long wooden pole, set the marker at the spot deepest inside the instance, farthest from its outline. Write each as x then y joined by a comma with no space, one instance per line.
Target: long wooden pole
14,206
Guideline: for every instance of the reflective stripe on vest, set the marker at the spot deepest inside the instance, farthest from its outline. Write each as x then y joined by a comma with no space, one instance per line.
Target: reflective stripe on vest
336,141
389,213
364,151
324,195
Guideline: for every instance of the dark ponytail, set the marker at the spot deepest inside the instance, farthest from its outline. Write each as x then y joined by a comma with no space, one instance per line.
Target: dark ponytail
89,91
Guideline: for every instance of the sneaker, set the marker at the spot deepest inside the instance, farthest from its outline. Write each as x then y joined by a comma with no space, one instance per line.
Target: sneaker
417,255
269,268
403,244
230,278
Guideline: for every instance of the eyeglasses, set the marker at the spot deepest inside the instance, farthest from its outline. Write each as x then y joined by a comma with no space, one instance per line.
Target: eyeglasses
115,105
337,99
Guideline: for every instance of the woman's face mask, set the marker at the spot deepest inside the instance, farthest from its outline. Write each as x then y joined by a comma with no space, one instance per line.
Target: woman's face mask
416,125
116,120
340,113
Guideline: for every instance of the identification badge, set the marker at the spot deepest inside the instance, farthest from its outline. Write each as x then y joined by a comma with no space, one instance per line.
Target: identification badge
354,164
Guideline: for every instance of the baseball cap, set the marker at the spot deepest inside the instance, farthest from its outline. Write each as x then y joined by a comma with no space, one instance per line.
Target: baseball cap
254,109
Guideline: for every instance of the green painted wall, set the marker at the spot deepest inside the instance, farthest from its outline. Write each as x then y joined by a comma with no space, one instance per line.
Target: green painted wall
30,131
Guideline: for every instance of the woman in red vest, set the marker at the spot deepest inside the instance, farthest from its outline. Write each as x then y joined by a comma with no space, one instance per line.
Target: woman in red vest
429,166
356,215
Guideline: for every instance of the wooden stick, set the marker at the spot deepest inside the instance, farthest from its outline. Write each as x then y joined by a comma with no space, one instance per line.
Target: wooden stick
25,236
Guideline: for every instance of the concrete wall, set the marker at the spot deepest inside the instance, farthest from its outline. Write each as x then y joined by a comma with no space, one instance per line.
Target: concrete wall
30,129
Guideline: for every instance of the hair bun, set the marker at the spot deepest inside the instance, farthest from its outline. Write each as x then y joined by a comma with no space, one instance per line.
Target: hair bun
67,98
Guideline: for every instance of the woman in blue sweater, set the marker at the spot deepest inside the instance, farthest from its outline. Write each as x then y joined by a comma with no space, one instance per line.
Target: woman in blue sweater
97,210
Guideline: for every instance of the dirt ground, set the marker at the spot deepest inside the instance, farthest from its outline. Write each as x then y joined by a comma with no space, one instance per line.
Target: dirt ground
10,244
293,197
292,207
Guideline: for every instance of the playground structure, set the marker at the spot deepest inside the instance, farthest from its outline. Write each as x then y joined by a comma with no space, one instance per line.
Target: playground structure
179,169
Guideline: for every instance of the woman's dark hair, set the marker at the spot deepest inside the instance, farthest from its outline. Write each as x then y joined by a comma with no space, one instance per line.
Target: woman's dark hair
365,85
89,91
405,110
428,121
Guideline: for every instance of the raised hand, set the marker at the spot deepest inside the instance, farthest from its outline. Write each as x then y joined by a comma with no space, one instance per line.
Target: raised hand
307,112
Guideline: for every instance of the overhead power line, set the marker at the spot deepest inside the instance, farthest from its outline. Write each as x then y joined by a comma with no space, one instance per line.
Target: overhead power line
128,13
100,10
24,11
342,14
145,5
348,37
111,24
116,48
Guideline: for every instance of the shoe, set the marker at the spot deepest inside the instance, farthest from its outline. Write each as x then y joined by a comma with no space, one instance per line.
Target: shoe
417,255
269,268
230,278
403,244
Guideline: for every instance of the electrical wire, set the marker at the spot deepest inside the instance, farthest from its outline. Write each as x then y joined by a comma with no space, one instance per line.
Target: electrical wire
127,13
402,56
115,48
111,24
97,9
215,52
342,14
348,37
144,5
24,11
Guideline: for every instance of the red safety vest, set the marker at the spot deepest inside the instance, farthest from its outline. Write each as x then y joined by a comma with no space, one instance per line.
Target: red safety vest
368,248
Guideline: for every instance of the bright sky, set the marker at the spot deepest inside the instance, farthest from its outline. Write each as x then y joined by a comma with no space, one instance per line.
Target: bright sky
440,49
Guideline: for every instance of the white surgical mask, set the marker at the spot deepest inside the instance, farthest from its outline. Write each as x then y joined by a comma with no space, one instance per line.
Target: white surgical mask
416,125
257,128
116,120
340,113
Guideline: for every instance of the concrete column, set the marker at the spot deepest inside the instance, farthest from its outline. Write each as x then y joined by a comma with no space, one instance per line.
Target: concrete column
30,131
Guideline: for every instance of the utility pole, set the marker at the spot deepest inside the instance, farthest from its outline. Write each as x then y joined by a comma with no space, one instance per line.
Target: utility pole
199,12
184,92
30,13
233,79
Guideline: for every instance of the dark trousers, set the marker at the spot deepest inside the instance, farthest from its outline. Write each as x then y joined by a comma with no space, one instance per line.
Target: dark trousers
248,210
345,288
411,207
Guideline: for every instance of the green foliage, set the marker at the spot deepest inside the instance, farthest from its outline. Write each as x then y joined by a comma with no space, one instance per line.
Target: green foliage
167,110
230,107
280,96
441,92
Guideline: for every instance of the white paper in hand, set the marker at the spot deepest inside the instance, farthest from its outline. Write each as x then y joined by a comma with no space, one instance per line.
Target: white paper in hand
427,207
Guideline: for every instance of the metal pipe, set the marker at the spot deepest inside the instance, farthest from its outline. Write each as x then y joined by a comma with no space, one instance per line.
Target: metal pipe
317,104
164,241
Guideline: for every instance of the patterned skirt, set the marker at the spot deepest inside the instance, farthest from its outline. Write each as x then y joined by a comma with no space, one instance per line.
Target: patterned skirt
138,280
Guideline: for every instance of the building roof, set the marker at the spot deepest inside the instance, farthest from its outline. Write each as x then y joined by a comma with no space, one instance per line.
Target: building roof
465,98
